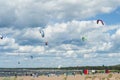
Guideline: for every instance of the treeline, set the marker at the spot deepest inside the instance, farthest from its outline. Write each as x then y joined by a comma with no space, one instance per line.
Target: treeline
93,67
117,67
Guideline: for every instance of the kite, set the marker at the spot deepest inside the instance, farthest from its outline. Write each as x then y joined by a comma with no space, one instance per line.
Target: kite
46,43
100,21
1,37
31,57
84,38
18,62
42,33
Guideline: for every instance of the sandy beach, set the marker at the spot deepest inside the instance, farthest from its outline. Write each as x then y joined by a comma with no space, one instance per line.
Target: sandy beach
111,76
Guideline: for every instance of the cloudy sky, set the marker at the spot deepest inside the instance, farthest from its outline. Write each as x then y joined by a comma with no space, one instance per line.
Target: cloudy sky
64,23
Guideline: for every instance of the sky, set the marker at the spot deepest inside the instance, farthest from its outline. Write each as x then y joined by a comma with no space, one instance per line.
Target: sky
64,23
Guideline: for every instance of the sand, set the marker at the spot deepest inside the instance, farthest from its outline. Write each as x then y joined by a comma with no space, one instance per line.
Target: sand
114,76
